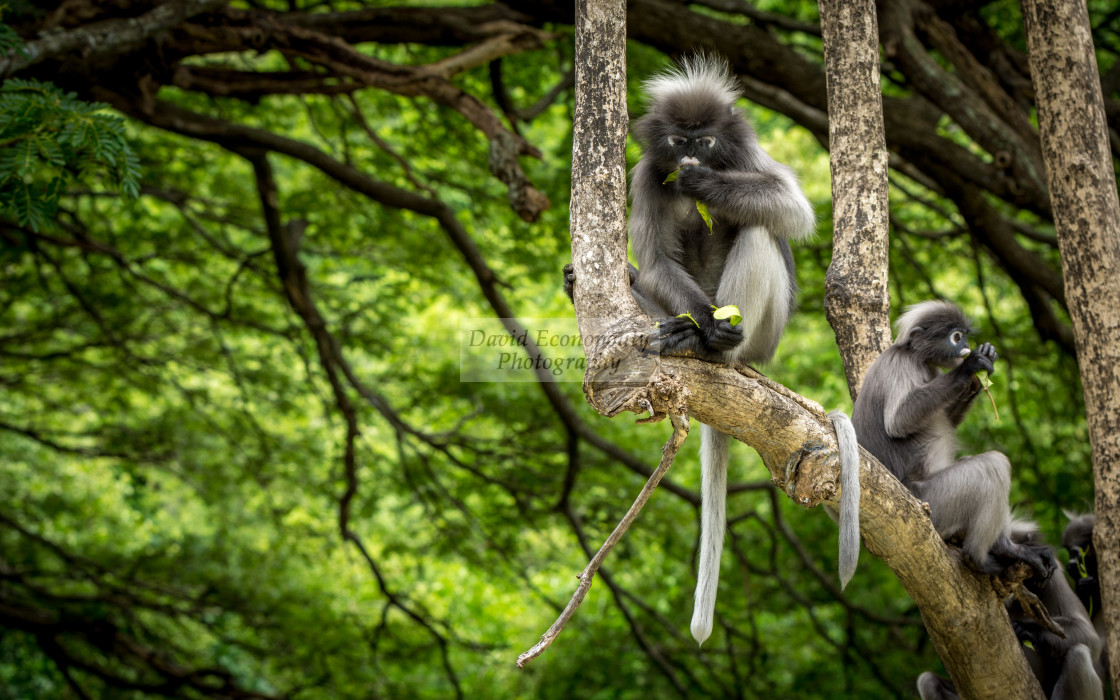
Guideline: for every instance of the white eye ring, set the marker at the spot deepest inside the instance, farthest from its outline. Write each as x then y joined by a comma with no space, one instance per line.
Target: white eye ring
956,337
709,141
676,140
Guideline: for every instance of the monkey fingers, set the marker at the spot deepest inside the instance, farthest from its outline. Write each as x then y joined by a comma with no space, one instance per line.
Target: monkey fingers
1039,557
724,336
1044,641
987,351
979,360
570,281
695,181
677,336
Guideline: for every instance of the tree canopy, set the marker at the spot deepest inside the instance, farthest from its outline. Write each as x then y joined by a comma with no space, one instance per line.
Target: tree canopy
238,459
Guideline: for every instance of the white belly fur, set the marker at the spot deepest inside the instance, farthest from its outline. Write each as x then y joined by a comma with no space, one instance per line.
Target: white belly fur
762,294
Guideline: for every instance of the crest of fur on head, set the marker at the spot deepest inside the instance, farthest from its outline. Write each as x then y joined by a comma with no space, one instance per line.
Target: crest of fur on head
924,326
699,90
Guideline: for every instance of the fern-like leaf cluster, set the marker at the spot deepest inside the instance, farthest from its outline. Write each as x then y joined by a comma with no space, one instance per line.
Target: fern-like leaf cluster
47,138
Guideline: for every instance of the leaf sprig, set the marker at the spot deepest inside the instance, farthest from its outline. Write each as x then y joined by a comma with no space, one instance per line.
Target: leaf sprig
700,206
985,384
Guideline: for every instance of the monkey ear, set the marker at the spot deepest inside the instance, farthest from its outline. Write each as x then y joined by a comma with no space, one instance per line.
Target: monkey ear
914,332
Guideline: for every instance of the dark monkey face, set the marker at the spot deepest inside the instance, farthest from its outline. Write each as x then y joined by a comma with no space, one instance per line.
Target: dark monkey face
686,131
941,337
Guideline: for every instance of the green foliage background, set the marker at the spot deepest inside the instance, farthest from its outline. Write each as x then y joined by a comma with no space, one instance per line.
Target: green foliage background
170,455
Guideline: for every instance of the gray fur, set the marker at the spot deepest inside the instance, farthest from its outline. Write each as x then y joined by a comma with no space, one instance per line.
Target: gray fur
1082,566
906,415
933,687
1078,680
1068,668
849,496
713,521
692,126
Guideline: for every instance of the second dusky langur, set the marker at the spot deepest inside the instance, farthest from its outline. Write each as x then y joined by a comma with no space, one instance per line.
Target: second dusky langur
1082,567
1067,668
907,414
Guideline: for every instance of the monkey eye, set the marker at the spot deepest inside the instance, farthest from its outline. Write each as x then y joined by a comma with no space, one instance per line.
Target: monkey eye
709,141
676,140
956,337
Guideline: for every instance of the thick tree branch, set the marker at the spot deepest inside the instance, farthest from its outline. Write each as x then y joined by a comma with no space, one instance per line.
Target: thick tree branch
114,36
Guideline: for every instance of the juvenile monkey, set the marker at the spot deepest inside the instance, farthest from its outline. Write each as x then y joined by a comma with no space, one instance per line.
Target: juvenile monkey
1082,567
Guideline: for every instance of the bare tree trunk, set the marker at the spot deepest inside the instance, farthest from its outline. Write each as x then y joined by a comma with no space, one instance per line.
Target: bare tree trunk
857,302
856,297
1087,217
598,207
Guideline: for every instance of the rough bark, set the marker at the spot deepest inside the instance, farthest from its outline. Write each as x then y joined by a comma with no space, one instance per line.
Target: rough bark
598,207
856,297
1075,147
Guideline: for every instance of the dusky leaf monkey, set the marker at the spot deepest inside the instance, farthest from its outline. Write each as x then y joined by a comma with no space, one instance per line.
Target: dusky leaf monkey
1067,668
907,414
699,153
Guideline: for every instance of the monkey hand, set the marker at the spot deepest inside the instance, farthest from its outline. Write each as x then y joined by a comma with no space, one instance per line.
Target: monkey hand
983,358
1026,631
723,336
1086,587
1045,642
700,335
1075,567
570,281
696,181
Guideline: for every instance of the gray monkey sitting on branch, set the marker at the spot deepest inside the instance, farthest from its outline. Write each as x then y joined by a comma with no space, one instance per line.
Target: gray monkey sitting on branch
907,414
701,157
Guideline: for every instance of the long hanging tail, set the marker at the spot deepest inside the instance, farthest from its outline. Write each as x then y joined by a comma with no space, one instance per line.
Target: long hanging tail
849,495
713,521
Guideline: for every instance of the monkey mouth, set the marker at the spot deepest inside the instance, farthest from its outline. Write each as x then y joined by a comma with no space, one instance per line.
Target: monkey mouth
689,160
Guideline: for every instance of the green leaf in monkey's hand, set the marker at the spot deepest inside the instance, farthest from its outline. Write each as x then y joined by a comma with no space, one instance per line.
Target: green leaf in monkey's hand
730,312
986,384
703,209
689,317
671,177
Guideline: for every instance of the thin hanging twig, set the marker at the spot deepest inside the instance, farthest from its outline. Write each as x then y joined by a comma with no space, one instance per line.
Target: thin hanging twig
668,454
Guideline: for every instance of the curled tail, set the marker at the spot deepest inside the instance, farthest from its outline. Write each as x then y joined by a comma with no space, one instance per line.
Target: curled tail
849,495
713,521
